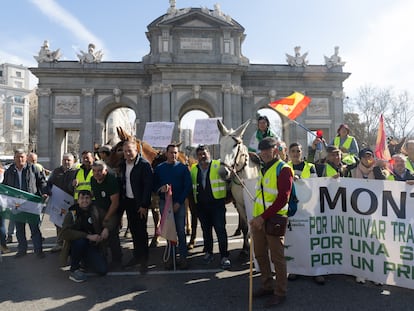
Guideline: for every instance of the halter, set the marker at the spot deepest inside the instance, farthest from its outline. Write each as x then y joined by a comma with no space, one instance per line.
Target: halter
233,167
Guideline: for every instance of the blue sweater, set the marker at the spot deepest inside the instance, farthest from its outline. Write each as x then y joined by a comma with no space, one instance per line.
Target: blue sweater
177,175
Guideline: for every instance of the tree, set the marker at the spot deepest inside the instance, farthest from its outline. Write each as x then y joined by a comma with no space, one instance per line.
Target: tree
364,111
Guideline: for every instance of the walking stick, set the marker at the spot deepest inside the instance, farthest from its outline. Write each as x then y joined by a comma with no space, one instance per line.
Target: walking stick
251,275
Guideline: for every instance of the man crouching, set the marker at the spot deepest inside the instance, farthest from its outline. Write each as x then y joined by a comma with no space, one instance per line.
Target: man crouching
84,233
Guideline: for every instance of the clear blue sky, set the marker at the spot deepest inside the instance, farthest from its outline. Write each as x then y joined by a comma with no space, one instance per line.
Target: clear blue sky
375,36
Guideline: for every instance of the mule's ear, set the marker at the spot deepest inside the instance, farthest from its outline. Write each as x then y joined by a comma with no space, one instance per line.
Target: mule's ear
241,129
222,128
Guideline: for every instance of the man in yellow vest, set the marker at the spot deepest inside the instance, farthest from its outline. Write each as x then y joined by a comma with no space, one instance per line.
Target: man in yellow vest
83,177
209,194
302,169
272,196
334,166
409,148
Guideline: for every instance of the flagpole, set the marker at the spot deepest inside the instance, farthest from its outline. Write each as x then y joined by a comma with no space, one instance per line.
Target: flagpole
303,127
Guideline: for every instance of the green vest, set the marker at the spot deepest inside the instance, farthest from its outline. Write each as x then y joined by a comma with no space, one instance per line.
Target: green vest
83,184
269,181
306,172
218,185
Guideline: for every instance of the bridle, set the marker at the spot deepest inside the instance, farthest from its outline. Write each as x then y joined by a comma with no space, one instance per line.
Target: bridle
236,167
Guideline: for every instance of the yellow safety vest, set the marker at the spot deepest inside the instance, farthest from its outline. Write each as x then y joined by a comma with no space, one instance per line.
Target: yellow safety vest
218,185
409,166
330,171
269,181
83,184
306,172
347,158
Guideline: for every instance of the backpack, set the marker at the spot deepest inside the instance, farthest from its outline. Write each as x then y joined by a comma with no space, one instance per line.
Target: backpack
293,199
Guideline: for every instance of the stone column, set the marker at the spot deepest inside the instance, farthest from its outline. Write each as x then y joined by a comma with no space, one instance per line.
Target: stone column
226,89
44,129
88,120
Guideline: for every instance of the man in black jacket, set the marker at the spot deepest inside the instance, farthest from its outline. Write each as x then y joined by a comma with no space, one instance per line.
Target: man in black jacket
25,176
136,184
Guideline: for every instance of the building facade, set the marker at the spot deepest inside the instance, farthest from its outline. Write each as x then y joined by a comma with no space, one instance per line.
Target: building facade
195,63
14,107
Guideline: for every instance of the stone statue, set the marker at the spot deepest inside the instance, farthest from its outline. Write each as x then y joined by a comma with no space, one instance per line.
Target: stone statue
46,55
91,56
334,60
297,60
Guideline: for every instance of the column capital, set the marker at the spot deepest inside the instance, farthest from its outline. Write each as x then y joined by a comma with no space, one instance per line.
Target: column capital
88,91
43,91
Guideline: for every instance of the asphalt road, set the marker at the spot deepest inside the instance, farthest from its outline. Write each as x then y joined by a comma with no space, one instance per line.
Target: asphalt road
30,283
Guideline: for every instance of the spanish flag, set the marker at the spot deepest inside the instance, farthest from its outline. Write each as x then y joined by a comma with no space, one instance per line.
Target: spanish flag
291,106
381,148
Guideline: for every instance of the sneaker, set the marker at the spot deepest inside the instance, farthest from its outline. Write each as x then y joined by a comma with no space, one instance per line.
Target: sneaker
208,258
4,249
77,276
20,254
9,239
292,277
225,263
319,280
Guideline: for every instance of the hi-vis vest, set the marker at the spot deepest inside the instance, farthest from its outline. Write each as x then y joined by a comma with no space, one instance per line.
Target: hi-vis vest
306,172
83,184
218,185
347,158
330,171
269,182
409,166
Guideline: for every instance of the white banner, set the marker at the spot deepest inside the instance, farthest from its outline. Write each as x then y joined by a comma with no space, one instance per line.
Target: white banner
158,134
206,132
58,205
353,226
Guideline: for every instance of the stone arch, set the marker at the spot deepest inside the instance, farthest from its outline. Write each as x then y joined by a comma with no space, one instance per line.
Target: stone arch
105,107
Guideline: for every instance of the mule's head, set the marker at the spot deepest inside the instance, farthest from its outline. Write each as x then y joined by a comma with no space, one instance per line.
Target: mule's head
233,152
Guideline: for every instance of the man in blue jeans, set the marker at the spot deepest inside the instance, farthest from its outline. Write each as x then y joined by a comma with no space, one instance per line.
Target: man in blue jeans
85,232
25,176
177,175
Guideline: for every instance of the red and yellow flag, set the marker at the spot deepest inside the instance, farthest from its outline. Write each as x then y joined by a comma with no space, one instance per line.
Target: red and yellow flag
381,147
291,106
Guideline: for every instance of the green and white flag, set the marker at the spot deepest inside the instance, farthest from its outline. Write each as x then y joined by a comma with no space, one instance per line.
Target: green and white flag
20,205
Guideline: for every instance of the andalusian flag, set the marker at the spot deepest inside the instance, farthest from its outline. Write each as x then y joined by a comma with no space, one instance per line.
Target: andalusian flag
381,148
19,205
291,106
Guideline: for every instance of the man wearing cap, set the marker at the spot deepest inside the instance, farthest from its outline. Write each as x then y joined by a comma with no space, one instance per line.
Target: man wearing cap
272,196
334,166
347,144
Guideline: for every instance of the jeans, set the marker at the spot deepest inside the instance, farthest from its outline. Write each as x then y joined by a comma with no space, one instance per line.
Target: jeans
179,218
89,254
2,232
214,217
10,228
21,237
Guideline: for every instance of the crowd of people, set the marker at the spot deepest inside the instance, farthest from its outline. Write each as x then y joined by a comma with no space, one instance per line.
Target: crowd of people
89,235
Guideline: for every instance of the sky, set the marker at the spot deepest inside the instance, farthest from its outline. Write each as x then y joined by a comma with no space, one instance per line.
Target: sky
375,36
